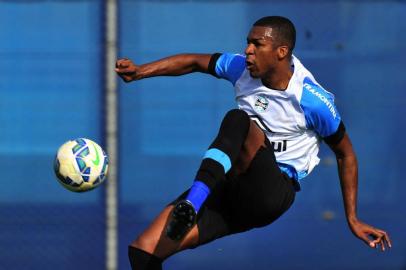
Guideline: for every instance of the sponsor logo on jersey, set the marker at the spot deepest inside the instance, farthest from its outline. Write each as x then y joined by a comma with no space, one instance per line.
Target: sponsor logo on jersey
279,146
322,98
261,103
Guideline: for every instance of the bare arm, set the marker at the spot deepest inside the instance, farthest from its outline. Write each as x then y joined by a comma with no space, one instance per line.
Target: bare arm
171,66
348,173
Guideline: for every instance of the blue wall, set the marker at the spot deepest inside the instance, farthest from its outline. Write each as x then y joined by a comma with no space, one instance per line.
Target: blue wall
51,90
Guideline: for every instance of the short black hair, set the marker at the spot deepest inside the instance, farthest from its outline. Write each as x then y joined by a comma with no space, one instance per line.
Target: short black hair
285,30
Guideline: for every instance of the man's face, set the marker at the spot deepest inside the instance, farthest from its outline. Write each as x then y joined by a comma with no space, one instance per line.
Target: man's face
261,56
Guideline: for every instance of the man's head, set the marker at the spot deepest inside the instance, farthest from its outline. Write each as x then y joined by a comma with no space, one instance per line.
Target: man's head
283,30
270,42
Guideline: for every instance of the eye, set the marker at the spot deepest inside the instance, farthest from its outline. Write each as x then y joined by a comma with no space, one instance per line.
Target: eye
257,43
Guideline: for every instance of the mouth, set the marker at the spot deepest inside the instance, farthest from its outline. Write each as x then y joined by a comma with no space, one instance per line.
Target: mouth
249,65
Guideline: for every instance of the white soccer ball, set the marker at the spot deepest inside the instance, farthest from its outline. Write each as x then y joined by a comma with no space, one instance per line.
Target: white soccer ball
81,165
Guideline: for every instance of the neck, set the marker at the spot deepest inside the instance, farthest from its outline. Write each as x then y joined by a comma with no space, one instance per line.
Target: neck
278,79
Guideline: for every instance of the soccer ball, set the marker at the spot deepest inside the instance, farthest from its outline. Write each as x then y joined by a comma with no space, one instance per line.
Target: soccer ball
81,165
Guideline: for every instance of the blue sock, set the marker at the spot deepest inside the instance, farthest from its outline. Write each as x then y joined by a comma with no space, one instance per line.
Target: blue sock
198,194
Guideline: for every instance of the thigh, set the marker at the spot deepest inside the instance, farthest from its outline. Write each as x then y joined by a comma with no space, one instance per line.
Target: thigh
249,200
262,193
253,142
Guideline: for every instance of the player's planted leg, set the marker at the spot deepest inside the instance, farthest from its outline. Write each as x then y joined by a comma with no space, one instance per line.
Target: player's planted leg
152,246
142,260
217,161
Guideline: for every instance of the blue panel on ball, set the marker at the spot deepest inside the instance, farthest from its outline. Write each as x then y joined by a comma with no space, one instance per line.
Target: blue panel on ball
80,141
66,180
85,178
76,148
84,152
106,158
69,182
103,171
81,164
79,145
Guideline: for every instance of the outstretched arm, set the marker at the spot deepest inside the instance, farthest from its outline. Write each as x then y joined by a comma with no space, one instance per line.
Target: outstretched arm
171,66
348,173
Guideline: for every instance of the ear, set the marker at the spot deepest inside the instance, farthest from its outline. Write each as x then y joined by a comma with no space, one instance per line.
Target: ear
282,52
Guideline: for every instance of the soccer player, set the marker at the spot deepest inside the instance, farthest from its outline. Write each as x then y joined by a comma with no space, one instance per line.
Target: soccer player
250,173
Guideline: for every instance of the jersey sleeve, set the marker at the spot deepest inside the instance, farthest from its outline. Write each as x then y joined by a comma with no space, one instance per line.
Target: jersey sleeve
321,113
227,66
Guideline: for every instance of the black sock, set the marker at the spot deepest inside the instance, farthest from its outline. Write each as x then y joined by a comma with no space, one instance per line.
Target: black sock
141,260
229,141
220,156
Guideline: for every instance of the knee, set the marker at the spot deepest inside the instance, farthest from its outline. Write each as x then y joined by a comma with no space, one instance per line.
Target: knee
237,113
236,120
237,116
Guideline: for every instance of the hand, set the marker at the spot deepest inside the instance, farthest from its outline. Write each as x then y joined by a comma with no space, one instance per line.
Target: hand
126,69
373,237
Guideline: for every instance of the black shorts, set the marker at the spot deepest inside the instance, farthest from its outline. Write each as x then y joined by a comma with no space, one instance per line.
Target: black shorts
250,200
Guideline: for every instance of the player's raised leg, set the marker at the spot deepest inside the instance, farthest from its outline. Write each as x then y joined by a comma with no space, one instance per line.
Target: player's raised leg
235,146
149,250
240,138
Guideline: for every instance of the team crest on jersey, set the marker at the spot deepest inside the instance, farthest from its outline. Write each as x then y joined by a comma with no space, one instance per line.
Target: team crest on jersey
261,103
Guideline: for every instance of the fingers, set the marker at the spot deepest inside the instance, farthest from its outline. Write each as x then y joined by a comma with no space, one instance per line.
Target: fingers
373,237
124,66
123,62
367,240
376,243
371,244
386,238
126,69
126,78
381,238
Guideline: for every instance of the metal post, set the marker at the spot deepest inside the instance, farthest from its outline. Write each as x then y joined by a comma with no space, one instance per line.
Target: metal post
111,134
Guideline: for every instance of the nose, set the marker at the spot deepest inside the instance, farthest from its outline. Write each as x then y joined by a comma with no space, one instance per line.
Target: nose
249,49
